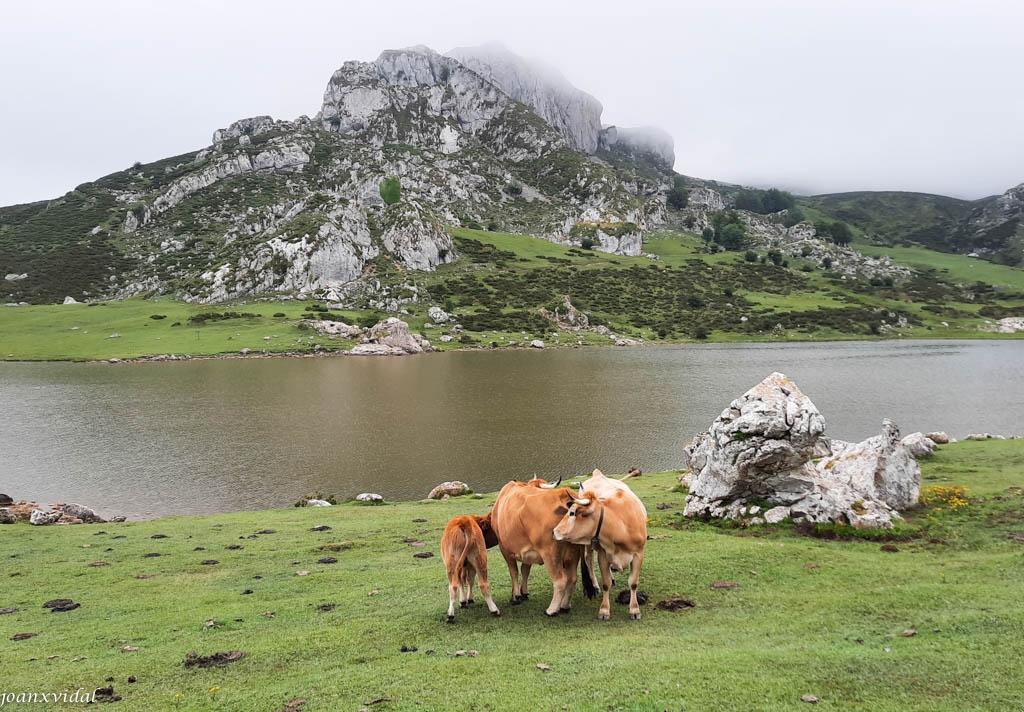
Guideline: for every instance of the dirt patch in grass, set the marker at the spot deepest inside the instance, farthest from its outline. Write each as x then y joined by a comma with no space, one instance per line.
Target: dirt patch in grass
216,660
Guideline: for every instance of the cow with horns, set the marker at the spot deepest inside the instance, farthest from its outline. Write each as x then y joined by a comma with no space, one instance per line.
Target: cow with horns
523,518
611,520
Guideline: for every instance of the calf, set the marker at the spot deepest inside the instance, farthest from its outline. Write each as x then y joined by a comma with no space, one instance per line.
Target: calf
464,549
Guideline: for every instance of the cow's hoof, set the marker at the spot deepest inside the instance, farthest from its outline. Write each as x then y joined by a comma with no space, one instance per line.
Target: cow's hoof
463,604
565,610
470,601
515,600
525,597
496,614
551,615
451,619
634,616
604,617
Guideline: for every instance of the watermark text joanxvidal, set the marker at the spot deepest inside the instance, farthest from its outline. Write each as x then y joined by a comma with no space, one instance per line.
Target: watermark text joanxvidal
79,695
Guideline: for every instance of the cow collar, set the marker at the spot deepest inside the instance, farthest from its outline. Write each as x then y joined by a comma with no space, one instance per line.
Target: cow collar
596,541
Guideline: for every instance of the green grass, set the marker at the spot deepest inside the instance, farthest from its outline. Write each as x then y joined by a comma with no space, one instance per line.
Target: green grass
78,332
809,616
957,268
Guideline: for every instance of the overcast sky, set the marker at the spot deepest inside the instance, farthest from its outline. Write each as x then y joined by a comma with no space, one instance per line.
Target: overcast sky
815,96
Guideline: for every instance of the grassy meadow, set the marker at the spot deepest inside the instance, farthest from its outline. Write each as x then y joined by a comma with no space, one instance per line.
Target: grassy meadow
809,615
502,280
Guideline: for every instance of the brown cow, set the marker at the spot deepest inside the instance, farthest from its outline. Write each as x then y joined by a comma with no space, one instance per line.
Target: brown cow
464,548
613,521
523,518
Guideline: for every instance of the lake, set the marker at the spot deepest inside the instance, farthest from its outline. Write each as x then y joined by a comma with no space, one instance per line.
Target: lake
154,439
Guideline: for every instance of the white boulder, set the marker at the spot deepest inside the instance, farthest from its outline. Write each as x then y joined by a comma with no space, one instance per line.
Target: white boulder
369,497
317,503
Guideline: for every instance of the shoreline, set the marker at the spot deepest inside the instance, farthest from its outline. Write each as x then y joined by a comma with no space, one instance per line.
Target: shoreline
332,353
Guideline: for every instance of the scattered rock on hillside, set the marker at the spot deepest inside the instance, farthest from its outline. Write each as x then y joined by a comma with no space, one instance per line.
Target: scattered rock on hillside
536,344
453,488
438,315
7,516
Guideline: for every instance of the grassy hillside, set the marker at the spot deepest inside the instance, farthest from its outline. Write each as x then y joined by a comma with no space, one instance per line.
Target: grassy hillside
808,616
502,281
897,217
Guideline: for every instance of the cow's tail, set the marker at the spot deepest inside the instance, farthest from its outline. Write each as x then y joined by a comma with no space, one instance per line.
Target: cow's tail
586,564
460,564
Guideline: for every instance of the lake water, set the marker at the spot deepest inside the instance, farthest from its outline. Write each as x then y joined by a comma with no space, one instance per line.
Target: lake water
210,436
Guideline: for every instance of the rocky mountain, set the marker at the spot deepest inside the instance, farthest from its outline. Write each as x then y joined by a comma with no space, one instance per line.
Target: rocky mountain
277,205
354,199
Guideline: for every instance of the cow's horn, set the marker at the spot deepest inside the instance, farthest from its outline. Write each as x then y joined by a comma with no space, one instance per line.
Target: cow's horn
552,485
585,501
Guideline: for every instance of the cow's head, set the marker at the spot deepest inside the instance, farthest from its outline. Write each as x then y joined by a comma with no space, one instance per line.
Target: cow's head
490,538
579,525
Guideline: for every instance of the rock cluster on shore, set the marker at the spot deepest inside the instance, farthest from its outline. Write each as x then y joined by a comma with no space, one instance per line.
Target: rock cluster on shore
12,512
765,459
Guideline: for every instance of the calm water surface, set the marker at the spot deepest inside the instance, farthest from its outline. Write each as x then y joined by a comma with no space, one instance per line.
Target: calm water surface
212,436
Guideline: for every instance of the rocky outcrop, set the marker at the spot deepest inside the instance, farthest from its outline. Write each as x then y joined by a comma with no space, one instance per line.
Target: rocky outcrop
880,468
438,315
566,316
997,227
419,97
1007,325
574,113
336,328
646,143
415,236
391,337
769,446
7,516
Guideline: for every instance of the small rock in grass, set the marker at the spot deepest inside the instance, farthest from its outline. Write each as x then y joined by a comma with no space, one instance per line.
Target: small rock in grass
809,699
419,520
327,560
302,573
159,536
235,547
100,563
215,660
210,562
151,555
725,584
321,528
542,666
423,554
23,636
909,633
409,649
6,611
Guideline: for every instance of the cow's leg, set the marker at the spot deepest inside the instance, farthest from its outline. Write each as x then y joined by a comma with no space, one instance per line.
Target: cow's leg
605,612
453,591
513,572
634,579
485,587
524,590
569,564
558,581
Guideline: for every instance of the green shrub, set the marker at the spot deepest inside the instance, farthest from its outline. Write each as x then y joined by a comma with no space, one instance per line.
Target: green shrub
279,314
157,317
391,190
